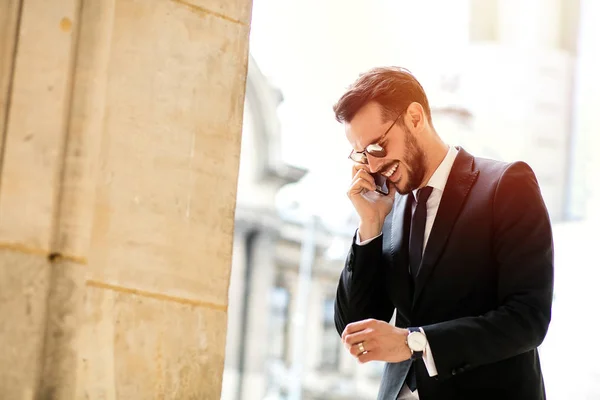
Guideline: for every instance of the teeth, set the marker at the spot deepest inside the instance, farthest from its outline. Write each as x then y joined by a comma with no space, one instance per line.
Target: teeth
391,171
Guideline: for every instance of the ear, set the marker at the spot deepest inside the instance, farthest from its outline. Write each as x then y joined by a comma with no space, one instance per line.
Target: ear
415,117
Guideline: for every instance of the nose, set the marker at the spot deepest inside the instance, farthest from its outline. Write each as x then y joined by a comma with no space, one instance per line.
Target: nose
375,163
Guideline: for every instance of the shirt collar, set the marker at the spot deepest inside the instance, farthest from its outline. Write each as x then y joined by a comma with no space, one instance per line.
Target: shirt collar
440,177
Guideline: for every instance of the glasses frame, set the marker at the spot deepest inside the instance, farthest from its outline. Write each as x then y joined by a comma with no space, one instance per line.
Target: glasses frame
370,149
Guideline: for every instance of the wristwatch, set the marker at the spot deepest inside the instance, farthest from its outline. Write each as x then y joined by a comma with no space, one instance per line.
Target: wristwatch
416,342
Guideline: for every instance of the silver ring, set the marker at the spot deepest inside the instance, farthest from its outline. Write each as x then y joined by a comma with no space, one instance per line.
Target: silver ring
361,348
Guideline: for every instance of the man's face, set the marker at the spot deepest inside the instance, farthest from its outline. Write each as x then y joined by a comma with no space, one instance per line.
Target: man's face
404,163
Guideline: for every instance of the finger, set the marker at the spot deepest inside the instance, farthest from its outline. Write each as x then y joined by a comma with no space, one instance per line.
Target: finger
358,326
354,348
357,349
363,173
363,181
358,167
361,185
368,356
361,336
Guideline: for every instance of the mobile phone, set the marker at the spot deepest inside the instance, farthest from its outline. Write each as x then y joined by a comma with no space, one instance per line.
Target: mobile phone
381,184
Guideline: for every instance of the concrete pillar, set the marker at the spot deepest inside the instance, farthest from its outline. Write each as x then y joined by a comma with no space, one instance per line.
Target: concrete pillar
121,125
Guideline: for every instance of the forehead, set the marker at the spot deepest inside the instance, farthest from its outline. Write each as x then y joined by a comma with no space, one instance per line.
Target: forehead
366,126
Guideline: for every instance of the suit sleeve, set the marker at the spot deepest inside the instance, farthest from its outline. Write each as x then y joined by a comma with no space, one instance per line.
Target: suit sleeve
361,292
523,249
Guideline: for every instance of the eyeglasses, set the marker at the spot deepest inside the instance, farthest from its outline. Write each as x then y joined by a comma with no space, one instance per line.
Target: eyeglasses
374,149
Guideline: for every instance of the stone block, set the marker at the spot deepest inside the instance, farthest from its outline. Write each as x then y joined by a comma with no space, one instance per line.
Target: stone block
236,10
137,347
61,353
85,129
24,281
170,153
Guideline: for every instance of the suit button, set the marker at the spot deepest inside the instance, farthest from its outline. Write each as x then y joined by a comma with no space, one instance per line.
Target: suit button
453,372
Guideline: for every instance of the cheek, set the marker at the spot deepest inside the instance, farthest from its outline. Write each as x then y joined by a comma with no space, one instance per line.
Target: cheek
404,168
399,155
403,173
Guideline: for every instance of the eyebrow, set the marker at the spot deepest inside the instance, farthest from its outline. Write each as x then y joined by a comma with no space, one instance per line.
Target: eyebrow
380,137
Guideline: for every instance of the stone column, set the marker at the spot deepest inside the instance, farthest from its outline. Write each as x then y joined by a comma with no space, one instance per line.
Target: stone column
121,124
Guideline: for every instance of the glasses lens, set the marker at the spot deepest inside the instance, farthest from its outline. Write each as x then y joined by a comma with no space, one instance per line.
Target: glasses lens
376,150
358,157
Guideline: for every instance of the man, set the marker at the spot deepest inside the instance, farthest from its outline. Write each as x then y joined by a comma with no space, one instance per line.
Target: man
461,248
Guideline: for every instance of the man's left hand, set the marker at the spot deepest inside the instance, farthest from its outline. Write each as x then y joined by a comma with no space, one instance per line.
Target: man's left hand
380,341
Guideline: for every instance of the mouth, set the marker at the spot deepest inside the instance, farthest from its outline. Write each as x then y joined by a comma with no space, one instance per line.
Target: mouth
391,170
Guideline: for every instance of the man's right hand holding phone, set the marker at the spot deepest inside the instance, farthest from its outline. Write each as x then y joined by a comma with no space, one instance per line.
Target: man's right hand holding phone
372,207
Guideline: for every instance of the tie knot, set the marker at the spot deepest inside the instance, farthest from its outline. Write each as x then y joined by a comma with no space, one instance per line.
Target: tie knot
423,194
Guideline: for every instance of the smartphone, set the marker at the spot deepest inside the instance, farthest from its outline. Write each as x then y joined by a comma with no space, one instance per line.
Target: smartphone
381,184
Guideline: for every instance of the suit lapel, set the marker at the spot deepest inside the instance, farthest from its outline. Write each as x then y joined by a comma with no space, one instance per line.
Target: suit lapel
461,179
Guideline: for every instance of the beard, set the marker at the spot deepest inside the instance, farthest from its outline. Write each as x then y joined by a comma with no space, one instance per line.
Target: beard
414,159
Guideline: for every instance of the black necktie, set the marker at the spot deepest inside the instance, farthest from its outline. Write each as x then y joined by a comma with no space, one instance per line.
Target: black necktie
415,254
417,231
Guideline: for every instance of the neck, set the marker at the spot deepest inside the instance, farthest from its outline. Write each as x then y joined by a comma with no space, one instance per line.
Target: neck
435,152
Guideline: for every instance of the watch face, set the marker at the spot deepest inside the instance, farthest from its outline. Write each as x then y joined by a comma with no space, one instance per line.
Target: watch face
416,341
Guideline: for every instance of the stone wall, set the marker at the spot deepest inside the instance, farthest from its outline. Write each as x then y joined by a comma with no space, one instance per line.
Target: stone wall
121,123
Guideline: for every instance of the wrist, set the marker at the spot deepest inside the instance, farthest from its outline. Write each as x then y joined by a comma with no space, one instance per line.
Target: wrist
368,230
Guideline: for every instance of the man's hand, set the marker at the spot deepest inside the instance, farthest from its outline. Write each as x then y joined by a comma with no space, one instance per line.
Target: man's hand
380,341
372,207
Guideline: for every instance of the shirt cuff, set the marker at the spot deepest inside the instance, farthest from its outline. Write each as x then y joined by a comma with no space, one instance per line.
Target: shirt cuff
428,358
359,243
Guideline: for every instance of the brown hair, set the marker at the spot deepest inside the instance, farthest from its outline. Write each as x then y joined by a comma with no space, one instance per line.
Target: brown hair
393,88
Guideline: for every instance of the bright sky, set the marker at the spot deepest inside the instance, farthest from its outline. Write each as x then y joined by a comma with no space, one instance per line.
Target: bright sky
313,49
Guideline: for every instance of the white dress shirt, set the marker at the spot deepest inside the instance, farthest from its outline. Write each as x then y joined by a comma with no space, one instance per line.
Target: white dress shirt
438,182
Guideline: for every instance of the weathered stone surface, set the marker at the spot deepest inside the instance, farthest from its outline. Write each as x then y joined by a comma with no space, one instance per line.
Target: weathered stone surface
117,193
63,317
34,139
9,18
134,347
84,130
24,281
237,10
170,154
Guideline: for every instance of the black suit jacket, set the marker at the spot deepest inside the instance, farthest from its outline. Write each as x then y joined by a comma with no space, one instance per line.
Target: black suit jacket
483,294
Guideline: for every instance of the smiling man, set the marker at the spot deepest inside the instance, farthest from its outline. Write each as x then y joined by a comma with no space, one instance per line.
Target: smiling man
461,248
